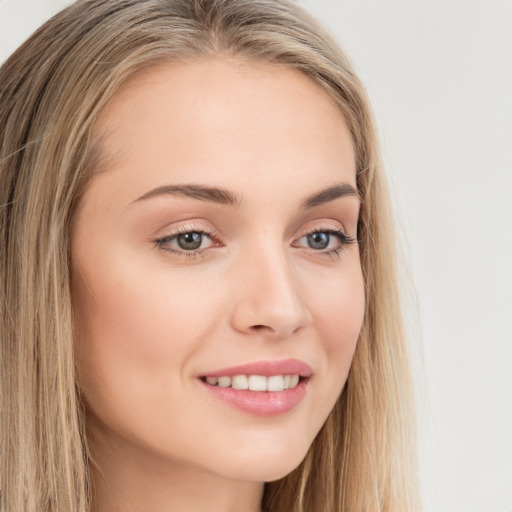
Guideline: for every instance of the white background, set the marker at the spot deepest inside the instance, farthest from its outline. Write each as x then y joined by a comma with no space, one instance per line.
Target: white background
440,77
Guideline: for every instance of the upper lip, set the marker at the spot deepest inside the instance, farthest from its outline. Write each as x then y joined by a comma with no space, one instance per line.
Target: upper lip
265,368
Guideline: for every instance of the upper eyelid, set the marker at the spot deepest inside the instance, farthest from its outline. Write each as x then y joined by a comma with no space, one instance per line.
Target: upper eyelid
186,228
215,241
177,233
330,229
320,225
342,237
212,233
323,224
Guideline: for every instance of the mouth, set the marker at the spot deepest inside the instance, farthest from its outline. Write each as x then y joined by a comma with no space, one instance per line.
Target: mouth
265,388
271,383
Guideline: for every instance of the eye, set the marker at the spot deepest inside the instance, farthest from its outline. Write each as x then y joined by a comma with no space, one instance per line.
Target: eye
186,242
328,241
189,241
319,240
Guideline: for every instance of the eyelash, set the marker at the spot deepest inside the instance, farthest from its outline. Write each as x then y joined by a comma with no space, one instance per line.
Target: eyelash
342,237
162,242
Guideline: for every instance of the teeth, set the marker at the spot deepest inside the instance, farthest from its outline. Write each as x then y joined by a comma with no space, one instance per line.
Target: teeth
294,380
275,383
255,382
239,382
224,382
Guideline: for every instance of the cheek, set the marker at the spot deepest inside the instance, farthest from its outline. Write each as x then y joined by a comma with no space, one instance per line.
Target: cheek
339,314
339,307
342,316
136,330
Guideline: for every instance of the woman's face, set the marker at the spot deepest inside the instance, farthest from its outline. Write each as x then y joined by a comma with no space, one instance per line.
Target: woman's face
219,242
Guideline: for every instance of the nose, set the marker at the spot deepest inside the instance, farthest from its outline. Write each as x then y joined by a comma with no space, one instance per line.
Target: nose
268,299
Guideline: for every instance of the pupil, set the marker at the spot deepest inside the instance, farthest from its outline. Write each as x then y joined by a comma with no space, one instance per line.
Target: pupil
189,241
318,240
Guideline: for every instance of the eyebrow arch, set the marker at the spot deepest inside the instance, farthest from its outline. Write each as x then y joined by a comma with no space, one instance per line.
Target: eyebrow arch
329,194
225,197
201,192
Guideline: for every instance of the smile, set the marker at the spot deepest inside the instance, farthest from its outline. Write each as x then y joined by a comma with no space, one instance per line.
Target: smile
255,382
263,388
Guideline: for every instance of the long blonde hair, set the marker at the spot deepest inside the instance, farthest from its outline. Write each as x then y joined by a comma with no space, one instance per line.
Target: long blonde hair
52,90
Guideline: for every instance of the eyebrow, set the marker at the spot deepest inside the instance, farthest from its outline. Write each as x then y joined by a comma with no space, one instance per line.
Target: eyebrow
200,192
225,197
329,194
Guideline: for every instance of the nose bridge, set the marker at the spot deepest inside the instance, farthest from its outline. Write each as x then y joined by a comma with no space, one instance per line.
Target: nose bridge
269,298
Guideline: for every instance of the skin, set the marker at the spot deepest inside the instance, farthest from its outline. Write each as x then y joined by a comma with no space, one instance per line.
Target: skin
152,318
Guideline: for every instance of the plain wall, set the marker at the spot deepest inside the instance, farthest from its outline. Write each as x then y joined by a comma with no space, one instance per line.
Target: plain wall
440,77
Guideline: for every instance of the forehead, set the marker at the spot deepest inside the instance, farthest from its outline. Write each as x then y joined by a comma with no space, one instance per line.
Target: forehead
226,119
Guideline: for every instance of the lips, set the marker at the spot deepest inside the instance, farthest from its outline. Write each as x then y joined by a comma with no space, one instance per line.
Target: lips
266,369
265,388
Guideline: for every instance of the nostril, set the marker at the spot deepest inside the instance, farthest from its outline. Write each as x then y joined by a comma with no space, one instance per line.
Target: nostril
260,327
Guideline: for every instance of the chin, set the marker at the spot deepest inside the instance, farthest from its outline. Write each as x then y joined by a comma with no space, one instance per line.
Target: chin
265,466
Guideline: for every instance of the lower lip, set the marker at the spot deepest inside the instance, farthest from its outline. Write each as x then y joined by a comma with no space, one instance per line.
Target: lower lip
261,403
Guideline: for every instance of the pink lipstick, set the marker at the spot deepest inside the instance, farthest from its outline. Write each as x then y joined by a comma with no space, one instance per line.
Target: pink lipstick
264,388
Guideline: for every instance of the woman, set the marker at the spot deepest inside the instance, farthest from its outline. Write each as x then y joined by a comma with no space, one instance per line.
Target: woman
198,279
